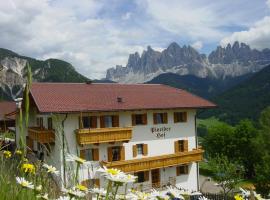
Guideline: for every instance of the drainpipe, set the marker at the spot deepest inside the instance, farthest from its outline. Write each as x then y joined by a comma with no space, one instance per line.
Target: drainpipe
197,163
63,149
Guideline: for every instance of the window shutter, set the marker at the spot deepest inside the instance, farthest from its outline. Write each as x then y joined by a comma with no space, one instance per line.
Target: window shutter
122,153
146,176
165,118
97,182
133,116
134,148
109,154
115,120
145,149
176,146
82,154
186,169
94,121
175,117
95,154
155,118
102,122
185,145
177,171
144,119
41,122
185,116
80,122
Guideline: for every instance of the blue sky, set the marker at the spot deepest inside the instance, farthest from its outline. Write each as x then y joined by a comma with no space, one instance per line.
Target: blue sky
95,35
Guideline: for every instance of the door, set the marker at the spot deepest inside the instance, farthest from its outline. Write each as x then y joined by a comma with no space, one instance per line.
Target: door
155,175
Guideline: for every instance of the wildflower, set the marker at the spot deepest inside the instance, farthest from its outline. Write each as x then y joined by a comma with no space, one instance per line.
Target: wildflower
38,188
238,197
81,188
44,196
78,160
24,183
98,191
28,168
112,171
159,195
64,198
7,154
174,192
25,160
51,169
18,152
121,177
73,192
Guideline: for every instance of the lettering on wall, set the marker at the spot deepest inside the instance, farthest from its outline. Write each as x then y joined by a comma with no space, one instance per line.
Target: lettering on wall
160,132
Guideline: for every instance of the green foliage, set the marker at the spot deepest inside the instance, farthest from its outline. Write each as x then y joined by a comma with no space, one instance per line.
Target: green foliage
226,173
245,100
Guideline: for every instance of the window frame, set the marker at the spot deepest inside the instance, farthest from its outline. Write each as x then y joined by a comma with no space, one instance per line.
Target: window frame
180,117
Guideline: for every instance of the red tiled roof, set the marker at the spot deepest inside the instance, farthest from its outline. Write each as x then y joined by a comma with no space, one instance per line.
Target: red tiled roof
7,107
76,97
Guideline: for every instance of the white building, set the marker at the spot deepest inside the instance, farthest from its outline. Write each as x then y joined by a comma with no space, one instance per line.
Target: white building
145,129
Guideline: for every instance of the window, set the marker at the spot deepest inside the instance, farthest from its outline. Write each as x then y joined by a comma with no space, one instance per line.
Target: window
139,119
160,118
142,176
181,146
182,169
50,125
180,117
140,149
116,154
108,121
90,154
89,122
40,122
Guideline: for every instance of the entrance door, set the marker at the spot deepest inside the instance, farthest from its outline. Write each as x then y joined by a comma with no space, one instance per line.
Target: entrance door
155,175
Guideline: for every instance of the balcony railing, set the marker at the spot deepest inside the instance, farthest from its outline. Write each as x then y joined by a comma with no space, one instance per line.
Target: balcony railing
103,135
157,162
41,135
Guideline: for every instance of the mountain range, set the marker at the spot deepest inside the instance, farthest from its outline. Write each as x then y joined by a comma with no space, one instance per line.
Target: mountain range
224,62
13,72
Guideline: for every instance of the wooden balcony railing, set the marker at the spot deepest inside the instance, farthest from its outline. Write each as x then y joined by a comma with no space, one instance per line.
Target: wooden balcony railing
103,135
41,135
156,162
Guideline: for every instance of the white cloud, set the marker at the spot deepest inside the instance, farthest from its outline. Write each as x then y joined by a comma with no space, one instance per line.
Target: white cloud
257,36
268,3
197,45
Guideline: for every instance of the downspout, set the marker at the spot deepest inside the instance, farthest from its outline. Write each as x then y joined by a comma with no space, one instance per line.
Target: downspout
63,149
197,163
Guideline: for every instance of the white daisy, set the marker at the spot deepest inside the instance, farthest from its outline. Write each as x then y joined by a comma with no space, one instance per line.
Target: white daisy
24,183
98,191
78,160
73,192
51,169
64,198
44,196
158,195
111,171
175,192
38,188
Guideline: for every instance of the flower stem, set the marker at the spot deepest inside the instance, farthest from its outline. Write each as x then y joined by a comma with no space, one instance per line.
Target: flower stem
116,189
108,190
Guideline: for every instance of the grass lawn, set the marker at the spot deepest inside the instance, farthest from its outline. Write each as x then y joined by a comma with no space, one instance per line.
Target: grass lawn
212,121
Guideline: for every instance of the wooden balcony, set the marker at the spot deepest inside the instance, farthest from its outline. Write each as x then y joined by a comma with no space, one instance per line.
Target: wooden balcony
156,162
103,135
41,135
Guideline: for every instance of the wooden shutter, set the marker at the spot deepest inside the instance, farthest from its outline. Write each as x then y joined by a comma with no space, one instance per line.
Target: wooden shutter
185,116
155,118
177,170
93,122
134,148
133,119
97,182
82,154
175,117
176,146
95,154
144,118
186,169
110,154
50,126
122,153
185,145
165,118
115,121
102,121
41,122
146,176
145,149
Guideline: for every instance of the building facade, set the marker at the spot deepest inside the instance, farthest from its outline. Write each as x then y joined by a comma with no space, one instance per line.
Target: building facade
146,130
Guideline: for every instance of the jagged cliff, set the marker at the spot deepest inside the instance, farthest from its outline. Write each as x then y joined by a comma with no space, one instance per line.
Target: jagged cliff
231,61
13,72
